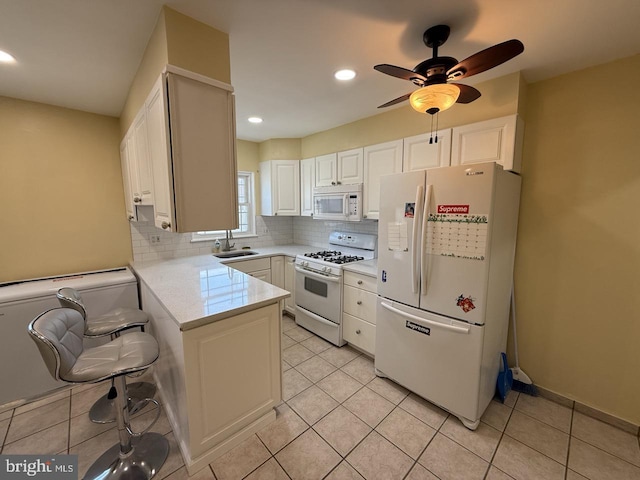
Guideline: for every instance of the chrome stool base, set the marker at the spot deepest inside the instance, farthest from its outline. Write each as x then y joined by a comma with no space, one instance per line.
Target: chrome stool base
141,463
103,410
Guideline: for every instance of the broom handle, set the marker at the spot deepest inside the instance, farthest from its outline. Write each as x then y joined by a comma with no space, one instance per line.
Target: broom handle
513,320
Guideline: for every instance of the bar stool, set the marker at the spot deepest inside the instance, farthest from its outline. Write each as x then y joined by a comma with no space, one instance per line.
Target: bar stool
58,334
111,323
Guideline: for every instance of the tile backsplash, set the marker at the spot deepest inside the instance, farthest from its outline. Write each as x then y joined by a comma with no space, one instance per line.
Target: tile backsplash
271,231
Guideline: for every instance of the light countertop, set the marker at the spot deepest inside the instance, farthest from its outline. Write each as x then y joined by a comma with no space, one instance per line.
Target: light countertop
366,267
202,289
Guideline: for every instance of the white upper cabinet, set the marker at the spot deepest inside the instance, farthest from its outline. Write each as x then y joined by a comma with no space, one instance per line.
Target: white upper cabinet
342,168
350,166
191,133
280,187
326,170
136,166
498,140
307,182
141,145
382,159
427,150
126,180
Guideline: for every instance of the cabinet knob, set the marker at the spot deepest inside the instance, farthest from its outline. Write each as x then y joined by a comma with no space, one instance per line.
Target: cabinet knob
137,200
359,302
333,183
165,225
276,213
359,282
311,215
358,331
338,183
131,217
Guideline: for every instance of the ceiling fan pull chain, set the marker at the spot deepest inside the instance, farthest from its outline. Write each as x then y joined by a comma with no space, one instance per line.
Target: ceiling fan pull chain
437,127
431,133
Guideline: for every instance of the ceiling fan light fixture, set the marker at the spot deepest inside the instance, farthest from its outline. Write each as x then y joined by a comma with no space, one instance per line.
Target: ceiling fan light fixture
6,57
434,98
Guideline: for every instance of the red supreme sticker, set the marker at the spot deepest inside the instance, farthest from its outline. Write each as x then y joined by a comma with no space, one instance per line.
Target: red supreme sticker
453,208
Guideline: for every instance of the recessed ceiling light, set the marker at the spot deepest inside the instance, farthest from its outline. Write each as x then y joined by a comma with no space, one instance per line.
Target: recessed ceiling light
255,119
6,58
345,74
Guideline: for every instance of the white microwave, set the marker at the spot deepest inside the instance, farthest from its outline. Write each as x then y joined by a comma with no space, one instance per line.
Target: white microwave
339,202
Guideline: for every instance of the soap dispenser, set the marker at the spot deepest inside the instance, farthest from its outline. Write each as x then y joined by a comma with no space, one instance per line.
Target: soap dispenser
216,246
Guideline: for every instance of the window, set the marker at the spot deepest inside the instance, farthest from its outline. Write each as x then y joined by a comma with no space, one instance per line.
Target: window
246,213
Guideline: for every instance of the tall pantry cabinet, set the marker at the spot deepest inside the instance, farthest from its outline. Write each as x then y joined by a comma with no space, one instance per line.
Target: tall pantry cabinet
190,128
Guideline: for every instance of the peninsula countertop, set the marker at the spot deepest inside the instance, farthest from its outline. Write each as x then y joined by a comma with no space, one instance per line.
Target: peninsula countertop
200,290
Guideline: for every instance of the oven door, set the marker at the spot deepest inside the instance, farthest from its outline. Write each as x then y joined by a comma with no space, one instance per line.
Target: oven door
319,294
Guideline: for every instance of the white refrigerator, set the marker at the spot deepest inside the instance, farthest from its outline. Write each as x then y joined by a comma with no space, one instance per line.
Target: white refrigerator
447,241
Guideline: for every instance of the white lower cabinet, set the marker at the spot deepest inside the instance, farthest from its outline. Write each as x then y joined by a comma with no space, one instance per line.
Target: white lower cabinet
277,271
359,311
289,285
256,267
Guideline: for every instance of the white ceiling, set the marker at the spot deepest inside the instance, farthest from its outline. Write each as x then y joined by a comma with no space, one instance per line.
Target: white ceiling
83,54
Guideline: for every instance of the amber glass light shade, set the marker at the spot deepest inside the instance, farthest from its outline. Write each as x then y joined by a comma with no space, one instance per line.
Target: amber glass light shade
434,98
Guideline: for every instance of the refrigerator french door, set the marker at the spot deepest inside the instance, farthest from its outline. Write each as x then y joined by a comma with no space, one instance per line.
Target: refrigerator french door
446,248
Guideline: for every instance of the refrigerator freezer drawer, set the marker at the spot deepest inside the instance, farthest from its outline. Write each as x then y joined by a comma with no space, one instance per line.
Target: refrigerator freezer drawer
436,357
359,333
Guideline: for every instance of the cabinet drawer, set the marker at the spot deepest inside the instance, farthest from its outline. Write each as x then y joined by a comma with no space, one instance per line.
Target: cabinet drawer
360,303
360,281
253,265
359,333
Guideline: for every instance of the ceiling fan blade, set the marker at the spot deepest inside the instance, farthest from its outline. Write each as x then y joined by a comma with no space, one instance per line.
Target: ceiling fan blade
399,72
486,59
396,101
467,94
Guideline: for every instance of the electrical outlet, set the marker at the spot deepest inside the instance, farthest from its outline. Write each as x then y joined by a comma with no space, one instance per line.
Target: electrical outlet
154,238
265,230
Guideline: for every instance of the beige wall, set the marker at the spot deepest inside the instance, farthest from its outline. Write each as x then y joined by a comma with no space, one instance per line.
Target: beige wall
60,191
499,97
578,256
280,149
155,58
181,41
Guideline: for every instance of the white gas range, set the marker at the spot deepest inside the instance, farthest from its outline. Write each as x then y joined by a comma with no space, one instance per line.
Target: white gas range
318,288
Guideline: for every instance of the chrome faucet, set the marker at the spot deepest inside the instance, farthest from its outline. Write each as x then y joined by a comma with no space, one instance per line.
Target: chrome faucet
226,246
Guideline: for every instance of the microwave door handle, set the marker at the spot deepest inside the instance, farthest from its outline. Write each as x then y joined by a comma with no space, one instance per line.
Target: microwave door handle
414,239
345,205
423,261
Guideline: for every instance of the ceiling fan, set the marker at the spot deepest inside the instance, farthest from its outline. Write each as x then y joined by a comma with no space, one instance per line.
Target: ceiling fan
434,74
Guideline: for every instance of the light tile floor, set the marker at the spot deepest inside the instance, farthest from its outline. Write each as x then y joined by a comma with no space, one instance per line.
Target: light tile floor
340,421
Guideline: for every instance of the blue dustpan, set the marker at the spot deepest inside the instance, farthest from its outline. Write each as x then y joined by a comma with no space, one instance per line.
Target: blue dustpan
505,378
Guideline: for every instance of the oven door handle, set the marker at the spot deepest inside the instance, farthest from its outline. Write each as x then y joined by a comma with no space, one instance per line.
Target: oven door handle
317,317
317,275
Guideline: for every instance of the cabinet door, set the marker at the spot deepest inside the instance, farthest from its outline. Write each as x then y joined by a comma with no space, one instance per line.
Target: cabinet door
143,162
203,153
160,156
126,181
350,167
307,182
498,140
289,284
264,275
277,271
381,159
285,187
326,170
421,151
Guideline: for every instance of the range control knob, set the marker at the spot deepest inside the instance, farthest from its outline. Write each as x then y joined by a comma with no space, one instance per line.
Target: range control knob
328,269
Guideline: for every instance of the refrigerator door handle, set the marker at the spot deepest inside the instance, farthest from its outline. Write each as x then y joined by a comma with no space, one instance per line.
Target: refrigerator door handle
423,241
424,321
414,242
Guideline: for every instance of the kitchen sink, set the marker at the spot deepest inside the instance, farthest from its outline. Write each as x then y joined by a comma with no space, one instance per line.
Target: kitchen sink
239,253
